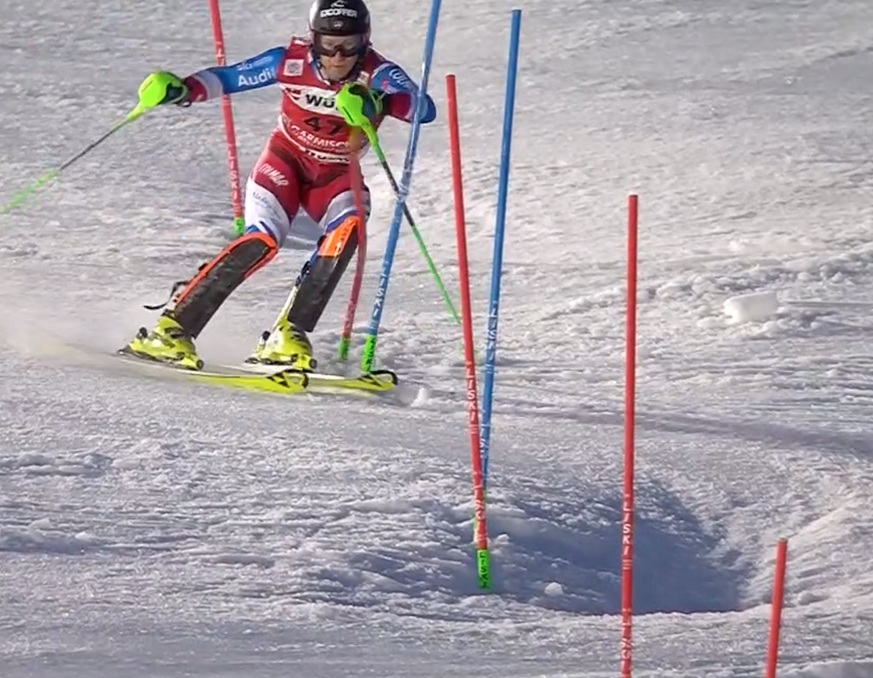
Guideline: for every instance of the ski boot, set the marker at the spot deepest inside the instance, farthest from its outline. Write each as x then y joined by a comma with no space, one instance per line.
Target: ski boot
285,345
167,343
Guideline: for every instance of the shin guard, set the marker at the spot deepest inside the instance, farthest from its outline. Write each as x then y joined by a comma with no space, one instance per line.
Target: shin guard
201,297
321,274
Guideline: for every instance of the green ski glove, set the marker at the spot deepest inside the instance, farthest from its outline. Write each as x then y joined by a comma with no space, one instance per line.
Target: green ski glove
359,105
163,88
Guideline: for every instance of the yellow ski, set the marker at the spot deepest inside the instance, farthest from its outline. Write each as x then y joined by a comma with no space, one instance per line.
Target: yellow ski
284,381
377,381
271,378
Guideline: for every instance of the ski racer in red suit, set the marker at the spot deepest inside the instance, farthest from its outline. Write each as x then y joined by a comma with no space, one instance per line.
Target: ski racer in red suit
305,163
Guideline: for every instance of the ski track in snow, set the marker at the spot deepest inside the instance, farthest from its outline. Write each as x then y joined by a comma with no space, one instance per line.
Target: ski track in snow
151,527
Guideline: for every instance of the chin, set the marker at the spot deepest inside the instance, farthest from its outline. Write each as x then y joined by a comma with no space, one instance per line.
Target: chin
338,72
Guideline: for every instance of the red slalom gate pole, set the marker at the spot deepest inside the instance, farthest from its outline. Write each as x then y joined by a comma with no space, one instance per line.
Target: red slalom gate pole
776,609
358,191
481,531
230,133
627,509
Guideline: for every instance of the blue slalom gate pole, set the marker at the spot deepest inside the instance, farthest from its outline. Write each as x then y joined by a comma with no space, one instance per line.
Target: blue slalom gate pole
497,260
402,193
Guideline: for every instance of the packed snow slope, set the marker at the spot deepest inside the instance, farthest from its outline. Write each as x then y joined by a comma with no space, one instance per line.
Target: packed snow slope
154,528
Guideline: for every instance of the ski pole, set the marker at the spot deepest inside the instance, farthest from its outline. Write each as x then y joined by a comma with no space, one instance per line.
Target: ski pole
23,196
148,99
373,138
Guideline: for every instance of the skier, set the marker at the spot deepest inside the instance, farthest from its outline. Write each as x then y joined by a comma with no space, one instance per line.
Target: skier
305,163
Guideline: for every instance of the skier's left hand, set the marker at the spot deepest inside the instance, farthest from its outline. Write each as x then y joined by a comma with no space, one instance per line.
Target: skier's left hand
359,105
164,87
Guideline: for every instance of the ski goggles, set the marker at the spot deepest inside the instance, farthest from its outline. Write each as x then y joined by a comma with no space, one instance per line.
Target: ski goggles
342,45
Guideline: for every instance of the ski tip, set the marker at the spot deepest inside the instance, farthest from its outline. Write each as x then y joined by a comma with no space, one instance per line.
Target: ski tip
383,375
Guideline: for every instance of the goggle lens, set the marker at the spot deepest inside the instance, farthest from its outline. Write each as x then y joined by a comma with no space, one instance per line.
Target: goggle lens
331,45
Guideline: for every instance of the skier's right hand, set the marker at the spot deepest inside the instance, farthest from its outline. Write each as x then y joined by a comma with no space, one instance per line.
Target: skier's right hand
164,87
359,105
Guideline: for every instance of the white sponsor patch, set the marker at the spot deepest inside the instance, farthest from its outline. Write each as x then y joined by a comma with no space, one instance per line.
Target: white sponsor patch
293,67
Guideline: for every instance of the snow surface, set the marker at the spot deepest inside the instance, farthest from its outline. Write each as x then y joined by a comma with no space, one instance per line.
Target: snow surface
152,528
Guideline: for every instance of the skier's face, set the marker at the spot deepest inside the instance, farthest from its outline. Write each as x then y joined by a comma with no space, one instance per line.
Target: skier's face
337,54
337,67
